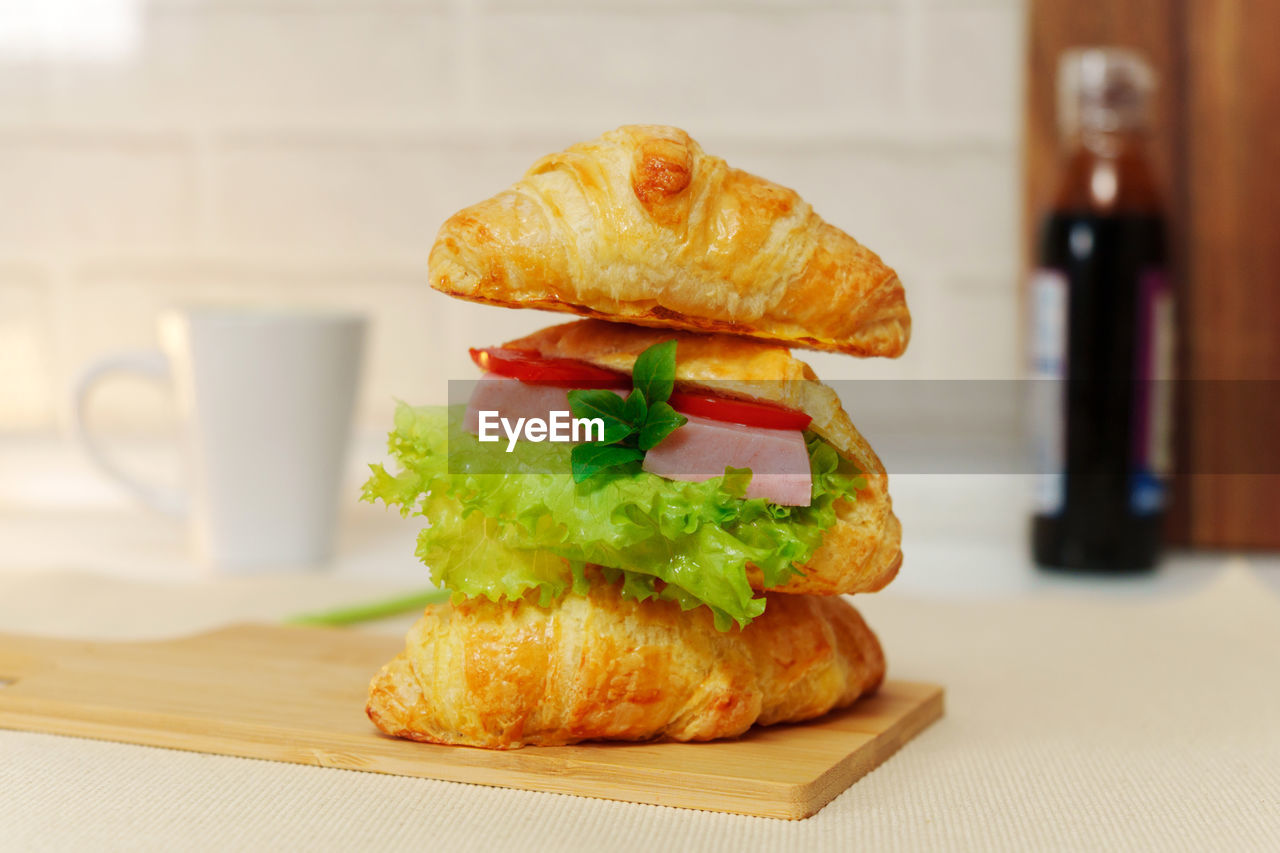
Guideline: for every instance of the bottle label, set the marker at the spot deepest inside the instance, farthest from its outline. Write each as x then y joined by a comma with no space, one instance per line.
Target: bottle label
1048,304
1153,398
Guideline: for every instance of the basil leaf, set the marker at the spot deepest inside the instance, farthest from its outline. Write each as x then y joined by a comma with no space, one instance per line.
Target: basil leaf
654,373
606,405
596,403
644,418
635,409
661,422
587,460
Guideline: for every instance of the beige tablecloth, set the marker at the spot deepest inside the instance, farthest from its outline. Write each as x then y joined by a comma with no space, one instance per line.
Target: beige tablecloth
1075,720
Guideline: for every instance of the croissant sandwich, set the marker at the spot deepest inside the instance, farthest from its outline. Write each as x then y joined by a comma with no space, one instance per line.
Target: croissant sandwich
645,518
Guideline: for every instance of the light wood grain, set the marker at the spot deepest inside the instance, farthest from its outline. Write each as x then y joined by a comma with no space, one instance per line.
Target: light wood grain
297,695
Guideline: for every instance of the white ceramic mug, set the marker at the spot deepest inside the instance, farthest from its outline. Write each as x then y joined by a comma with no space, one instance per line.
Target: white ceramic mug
267,397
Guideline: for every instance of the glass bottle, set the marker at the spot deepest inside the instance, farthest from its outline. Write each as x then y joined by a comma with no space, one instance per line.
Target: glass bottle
1101,329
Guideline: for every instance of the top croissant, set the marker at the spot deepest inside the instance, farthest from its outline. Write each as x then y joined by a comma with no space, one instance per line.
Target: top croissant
642,226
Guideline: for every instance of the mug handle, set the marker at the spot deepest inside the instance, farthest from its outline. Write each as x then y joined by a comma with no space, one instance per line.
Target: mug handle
151,364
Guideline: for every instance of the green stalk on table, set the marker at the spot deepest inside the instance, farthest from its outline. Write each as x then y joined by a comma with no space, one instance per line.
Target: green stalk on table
370,611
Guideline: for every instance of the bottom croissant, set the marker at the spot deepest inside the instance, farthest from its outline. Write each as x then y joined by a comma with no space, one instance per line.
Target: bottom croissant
511,674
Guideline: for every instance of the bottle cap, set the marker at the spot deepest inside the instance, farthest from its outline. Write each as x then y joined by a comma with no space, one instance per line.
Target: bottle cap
1103,89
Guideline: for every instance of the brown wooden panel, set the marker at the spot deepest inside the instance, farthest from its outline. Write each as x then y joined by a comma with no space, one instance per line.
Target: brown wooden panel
1216,151
1233,198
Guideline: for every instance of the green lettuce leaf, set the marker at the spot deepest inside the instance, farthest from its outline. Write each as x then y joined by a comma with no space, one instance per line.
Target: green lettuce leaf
501,535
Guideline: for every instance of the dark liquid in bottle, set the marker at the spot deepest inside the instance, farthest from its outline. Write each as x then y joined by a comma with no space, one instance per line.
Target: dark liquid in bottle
1103,257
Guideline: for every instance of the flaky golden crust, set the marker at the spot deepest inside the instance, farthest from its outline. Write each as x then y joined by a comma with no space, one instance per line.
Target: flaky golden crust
861,553
641,226
601,667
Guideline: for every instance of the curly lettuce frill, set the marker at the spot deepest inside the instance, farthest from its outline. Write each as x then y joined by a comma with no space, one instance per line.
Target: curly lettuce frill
501,535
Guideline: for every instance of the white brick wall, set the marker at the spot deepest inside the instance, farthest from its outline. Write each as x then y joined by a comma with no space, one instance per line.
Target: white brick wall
305,151
26,348
211,64
767,67
78,193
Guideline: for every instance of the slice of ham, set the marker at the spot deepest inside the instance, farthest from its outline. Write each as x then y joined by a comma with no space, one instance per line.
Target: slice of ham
697,451
702,448
512,399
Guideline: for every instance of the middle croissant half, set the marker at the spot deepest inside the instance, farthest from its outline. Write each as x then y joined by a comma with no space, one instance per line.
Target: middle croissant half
862,551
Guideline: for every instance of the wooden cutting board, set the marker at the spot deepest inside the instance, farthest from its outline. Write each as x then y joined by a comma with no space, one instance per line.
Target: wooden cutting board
298,694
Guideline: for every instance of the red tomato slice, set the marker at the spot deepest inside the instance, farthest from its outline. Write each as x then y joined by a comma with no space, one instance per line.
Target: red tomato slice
530,367
738,411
